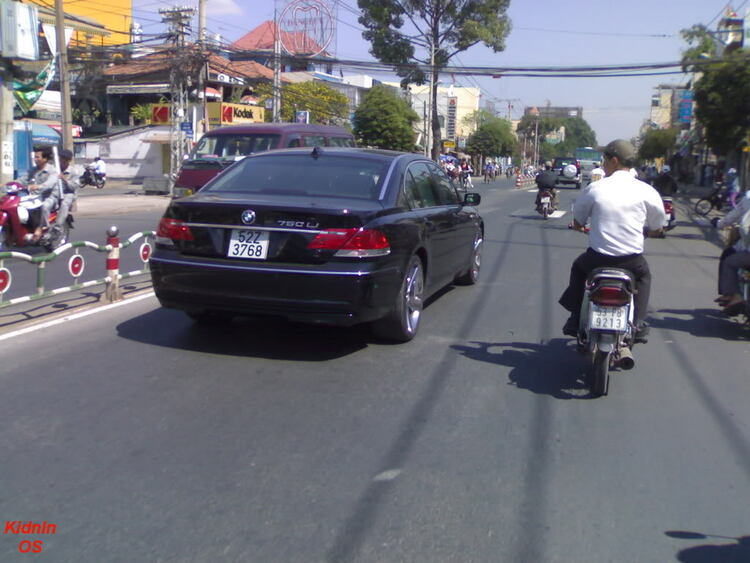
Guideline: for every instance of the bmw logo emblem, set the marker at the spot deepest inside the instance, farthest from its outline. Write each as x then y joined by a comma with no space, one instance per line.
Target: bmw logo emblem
248,216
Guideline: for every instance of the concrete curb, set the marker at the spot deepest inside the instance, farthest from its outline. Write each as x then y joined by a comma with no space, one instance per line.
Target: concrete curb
120,204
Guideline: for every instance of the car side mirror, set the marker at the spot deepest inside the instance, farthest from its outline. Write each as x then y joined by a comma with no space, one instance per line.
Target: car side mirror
472,198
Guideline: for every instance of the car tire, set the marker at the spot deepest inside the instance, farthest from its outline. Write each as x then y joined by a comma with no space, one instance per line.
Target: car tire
402,323
471,276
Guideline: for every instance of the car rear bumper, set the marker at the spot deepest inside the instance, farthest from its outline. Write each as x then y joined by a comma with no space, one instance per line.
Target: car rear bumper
340,294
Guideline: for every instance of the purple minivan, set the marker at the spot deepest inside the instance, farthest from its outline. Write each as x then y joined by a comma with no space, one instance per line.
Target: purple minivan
223,146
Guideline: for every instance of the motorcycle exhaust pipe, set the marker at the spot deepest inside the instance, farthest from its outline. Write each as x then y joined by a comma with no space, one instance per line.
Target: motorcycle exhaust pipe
627,361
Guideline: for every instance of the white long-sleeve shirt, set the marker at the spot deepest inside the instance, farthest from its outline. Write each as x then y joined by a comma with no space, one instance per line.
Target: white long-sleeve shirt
735,216
619,206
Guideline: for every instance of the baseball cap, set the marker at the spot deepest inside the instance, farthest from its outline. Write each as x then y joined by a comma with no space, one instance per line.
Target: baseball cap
66,154
622,149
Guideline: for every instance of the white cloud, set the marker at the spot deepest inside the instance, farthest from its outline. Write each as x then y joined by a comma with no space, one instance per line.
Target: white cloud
223,8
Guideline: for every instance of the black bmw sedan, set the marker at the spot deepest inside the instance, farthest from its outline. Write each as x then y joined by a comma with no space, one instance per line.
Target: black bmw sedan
325,235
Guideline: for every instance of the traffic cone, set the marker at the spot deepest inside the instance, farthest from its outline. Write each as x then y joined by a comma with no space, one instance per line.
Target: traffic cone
518,181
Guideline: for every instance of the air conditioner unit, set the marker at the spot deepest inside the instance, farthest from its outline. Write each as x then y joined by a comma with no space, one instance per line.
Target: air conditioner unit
19,31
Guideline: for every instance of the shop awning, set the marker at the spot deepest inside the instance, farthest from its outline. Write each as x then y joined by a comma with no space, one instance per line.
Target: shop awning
42,134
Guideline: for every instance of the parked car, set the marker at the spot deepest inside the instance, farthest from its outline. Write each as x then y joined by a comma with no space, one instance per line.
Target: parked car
223,146
568,171
325,235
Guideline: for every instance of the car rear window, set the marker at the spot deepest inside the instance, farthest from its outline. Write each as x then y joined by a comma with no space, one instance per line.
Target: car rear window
234,146
301,174
564,161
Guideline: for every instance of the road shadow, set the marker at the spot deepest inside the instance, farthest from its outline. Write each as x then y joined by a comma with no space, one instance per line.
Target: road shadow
256,337
737,552
554,368
704,323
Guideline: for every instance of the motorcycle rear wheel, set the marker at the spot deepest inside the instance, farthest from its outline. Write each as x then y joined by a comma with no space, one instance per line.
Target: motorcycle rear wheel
600,372
703,207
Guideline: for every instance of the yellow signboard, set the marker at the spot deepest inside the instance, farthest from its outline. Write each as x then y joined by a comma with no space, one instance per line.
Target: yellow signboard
449,144
221,113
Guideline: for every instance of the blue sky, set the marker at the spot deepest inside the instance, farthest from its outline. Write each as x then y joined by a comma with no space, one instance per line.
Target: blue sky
545,33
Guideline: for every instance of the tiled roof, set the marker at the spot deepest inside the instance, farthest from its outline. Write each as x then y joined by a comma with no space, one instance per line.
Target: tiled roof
160,61
261,39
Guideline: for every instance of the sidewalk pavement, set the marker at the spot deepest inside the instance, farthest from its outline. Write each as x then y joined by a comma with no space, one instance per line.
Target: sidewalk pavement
117,197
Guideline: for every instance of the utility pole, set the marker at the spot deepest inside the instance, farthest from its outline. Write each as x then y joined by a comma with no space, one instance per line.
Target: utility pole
62,54
6,120
178,19
433,98
203,74
276,68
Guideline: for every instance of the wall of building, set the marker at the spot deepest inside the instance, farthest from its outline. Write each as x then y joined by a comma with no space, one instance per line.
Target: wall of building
129,155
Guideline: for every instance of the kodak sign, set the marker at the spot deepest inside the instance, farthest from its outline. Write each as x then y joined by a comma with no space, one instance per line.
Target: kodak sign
221,113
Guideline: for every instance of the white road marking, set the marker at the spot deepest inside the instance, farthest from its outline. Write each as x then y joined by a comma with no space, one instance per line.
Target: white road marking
74,316
389,475
526,214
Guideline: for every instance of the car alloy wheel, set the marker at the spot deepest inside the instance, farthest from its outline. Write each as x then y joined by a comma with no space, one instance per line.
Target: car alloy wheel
402,323
472,274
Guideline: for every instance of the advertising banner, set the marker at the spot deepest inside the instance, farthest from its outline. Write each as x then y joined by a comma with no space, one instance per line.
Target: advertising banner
221,113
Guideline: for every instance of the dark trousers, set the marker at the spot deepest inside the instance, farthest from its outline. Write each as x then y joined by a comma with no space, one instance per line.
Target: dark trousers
572,297
729,264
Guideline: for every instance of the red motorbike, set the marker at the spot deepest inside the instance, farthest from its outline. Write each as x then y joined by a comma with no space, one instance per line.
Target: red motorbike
18,209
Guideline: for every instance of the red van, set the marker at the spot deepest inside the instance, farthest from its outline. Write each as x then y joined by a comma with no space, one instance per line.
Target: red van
221,147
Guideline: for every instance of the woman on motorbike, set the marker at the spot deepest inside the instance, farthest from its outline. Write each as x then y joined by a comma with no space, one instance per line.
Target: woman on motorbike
735,257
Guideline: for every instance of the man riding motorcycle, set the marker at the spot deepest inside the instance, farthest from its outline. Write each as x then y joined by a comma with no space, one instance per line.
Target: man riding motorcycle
43,178
545,182
617,208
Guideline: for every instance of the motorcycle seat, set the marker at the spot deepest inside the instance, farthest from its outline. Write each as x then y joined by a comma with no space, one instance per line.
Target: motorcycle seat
616,273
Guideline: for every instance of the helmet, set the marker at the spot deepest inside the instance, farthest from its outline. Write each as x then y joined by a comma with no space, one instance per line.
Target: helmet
666,168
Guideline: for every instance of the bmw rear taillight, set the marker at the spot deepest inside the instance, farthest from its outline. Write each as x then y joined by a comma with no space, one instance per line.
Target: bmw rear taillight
609,295
352,243
171,230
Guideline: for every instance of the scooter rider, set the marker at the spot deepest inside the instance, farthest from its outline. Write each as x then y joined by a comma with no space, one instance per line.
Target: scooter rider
617,207
545,182
43,178
71,181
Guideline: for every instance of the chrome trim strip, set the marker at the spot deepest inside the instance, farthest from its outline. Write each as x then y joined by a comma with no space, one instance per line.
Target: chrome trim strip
388,175
268,270
256,228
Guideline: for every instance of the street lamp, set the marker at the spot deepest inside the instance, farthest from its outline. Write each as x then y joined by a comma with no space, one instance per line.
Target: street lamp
535,112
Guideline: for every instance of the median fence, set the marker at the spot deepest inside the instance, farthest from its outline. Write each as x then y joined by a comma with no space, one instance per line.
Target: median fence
77,265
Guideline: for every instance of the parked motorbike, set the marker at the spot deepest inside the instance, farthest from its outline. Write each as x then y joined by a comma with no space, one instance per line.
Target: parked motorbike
545,203
607,328
717,199
16,230
92,178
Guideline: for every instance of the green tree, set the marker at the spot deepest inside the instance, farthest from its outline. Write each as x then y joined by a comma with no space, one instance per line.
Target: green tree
385,120
722,102
578,133
657,143
701,46
437,30
493,137
325,104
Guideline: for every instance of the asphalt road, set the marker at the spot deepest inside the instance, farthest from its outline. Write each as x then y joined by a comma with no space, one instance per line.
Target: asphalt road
144,437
